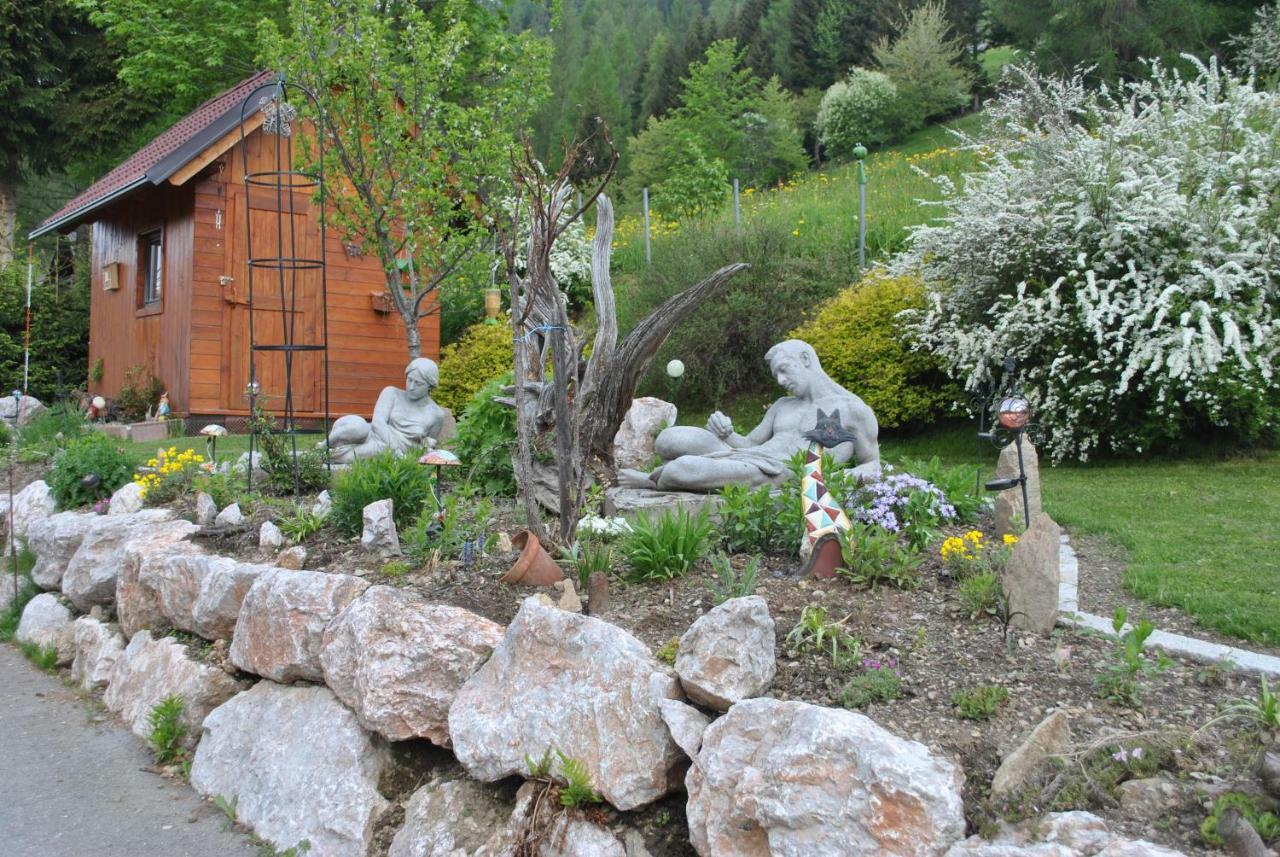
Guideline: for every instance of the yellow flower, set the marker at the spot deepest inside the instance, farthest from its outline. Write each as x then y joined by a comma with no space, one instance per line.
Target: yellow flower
1010,540
795,231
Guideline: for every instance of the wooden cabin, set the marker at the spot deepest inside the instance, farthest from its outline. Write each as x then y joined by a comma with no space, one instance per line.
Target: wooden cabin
170,274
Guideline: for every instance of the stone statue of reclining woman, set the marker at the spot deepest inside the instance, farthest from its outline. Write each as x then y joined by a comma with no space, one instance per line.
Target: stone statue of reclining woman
709,459
402,419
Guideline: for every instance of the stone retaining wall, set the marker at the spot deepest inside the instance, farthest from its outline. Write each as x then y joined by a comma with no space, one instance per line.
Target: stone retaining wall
299,728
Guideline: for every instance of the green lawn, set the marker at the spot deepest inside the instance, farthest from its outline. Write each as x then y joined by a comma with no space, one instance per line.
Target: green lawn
1200,532
229,447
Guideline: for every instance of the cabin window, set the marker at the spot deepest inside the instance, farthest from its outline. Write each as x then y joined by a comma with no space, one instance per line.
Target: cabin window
150,267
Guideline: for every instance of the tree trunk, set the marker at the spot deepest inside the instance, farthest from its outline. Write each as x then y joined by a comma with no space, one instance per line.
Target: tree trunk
413,338
8,218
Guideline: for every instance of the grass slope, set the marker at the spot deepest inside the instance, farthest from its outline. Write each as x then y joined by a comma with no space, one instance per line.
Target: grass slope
1200,532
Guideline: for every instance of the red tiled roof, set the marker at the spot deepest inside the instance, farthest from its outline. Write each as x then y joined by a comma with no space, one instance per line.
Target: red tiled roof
140,165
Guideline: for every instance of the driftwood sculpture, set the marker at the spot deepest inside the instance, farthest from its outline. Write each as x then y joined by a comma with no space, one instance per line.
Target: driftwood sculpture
568,407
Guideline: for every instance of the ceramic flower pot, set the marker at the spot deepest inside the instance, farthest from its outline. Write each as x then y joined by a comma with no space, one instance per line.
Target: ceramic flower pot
534,567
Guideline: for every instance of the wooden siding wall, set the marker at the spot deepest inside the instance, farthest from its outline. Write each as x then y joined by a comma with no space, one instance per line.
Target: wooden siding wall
121,334
367,349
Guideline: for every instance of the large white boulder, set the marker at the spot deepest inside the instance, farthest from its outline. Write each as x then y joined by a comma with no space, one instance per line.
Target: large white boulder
151,669
126,500
794,779
282,620
46,622
200,593
580,685
297,766
98,647
92,571
137,604
32,503
54,540
399,661
727,654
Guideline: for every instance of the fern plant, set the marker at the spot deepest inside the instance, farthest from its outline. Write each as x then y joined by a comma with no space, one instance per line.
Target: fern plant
577,790
666,546
167,729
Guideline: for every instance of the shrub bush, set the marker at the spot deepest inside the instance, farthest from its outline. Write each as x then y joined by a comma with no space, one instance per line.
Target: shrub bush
402,480
92,455
140,392
54,428
864,345
862,108
925,65
728,336
484,352
666,546
1122,245
486,434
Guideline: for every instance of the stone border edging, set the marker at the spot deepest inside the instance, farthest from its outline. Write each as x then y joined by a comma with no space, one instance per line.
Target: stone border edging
1071,616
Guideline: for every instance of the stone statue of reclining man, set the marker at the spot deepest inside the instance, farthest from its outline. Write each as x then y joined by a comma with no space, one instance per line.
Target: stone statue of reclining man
709,459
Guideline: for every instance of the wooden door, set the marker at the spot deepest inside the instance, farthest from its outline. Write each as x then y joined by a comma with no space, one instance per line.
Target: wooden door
286,303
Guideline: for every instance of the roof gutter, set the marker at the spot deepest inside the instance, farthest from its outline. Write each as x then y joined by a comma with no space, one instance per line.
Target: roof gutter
75,216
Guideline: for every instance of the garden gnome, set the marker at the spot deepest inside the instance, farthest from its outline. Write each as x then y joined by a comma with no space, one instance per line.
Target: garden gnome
162,409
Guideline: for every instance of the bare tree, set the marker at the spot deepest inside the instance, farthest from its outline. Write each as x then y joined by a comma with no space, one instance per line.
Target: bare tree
568,408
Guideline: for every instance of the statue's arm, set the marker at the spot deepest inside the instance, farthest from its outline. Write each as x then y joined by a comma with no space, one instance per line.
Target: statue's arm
759,434
382,409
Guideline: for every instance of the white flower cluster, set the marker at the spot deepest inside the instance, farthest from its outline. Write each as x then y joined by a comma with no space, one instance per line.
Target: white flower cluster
570,255
1123,246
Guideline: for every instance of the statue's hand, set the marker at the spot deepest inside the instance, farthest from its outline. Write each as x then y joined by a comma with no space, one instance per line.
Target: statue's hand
720,425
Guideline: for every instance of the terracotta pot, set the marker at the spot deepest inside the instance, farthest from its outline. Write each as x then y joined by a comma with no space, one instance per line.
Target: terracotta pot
824,559
533,567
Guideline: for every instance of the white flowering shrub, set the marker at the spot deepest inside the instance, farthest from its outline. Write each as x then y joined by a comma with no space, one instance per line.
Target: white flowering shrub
570,255
862,108
1259,49
1122,245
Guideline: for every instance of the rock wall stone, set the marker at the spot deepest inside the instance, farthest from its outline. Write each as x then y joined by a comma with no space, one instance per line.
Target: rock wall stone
449,818
281,624
98,647
137,605
93,569
790,778
297,765
46,622
32,503
580,685
54,540
151,669
399,661
200,593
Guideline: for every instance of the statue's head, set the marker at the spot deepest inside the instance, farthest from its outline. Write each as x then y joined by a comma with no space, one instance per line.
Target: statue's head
795,366
421,376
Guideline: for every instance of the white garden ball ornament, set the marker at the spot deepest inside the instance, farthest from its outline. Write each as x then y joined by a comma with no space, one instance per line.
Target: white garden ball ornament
675,368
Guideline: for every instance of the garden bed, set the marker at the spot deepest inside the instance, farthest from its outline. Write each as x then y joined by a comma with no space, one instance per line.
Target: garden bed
938,651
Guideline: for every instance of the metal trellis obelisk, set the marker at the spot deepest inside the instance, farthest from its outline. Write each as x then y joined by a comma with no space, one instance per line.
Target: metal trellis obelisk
282,275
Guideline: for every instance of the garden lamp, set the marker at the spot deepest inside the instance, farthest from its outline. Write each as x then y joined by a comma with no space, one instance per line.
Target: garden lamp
860,155
439,458
675,371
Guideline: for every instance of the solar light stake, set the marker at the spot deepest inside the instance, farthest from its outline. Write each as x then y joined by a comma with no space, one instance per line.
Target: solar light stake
860,154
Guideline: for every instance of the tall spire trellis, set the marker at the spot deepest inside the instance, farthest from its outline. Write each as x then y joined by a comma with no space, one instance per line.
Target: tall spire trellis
277,276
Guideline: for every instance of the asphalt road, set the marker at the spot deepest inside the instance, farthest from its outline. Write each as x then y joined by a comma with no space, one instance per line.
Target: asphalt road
73,784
